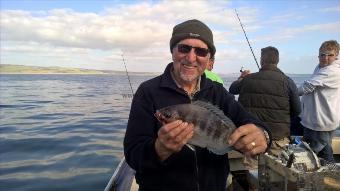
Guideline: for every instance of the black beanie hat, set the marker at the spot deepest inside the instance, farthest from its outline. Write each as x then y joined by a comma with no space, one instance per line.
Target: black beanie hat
193,29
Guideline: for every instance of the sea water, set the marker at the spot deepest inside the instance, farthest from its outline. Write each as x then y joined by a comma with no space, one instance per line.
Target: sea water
65,132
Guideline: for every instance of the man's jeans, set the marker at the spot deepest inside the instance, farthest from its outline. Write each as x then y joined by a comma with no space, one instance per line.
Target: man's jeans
320,142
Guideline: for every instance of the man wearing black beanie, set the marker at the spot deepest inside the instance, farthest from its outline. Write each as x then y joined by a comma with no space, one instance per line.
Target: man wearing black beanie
158,151
193,29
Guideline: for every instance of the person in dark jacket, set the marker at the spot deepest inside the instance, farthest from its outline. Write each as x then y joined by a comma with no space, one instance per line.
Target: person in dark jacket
271,96
158,152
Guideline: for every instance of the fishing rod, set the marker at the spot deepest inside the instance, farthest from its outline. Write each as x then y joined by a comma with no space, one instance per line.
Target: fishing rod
251,49
127,74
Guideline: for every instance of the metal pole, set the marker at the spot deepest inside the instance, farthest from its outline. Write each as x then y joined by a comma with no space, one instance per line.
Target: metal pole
127,74
251,49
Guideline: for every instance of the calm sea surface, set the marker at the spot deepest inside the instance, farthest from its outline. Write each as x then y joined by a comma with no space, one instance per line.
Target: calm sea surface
65,132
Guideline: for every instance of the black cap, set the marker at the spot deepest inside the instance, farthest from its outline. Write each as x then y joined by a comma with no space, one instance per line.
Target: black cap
193,29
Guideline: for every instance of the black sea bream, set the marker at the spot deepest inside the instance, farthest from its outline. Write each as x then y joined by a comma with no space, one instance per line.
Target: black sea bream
211,127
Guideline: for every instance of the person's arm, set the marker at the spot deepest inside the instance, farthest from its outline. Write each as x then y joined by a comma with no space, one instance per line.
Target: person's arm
294,100
146,144
172,137
250,139
326,77
140,135
249,130
235,87
306,88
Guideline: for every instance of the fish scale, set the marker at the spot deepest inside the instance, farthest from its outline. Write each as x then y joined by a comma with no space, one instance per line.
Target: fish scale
211,127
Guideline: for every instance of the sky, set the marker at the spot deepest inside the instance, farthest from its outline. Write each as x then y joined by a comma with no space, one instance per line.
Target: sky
98,34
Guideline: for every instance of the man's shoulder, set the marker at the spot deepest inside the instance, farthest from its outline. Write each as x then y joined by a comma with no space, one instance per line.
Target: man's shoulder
152,82
253,75
289,79
333,68
272,74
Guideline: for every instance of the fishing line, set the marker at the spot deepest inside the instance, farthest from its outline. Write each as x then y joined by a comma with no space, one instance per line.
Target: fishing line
251,49
127,74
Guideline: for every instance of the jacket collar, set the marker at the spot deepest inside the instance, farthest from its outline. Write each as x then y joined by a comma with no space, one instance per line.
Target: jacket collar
271,67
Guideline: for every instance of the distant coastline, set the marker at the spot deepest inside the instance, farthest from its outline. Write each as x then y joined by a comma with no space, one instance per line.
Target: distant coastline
22,69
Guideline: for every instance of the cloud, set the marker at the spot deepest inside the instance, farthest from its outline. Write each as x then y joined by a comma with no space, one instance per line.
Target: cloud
330,9
125,27
295,32
285,18
142,32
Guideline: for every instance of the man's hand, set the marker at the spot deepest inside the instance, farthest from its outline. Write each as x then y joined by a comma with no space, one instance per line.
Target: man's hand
249,139
172,137
244,73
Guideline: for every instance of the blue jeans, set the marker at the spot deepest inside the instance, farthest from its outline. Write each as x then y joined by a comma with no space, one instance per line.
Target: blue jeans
320,142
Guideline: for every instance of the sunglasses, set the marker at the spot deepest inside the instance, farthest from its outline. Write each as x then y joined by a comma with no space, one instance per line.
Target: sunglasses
325,54
185,49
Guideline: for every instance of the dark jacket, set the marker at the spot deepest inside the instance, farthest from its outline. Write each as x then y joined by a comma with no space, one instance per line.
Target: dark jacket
185,170
271,96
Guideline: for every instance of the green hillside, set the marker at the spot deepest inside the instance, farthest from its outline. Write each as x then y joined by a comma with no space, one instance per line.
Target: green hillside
21,69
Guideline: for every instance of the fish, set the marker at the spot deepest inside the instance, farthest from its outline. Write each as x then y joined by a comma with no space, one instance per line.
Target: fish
212,127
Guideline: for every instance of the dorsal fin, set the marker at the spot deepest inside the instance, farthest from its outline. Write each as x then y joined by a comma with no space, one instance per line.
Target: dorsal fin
215,110
210,107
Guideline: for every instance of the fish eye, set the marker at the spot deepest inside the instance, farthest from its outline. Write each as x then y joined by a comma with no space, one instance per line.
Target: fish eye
167,114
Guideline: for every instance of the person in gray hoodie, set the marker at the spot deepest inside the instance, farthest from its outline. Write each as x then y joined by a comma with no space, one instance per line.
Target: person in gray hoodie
321,101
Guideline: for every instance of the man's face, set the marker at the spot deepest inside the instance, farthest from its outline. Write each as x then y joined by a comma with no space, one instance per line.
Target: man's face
327,57
189,66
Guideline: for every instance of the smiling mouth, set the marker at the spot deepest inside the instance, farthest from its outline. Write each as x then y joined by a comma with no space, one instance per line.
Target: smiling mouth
188,66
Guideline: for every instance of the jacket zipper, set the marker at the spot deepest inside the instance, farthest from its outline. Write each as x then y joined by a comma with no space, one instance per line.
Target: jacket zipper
196,165
191,147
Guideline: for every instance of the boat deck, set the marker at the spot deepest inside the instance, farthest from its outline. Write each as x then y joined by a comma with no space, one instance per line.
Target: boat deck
123,177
